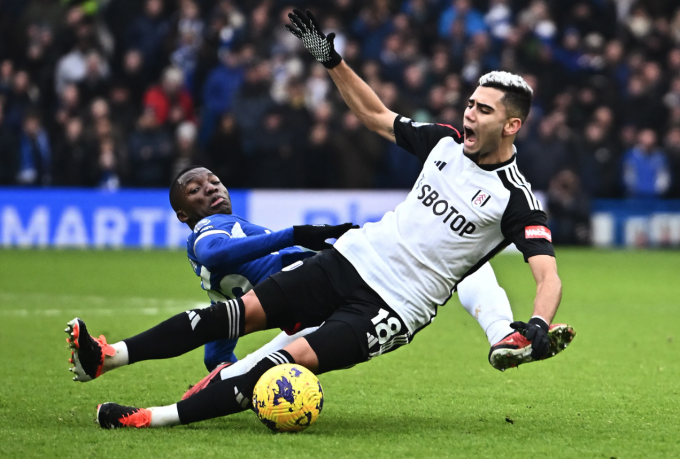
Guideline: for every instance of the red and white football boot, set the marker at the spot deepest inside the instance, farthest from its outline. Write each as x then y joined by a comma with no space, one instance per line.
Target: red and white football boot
87,352
515,349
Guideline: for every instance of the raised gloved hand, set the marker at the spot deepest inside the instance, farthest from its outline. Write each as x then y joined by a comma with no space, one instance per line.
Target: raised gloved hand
314,236
321,46
535,331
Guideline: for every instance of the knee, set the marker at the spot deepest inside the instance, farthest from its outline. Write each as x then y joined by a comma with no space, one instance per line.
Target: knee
303,354
217,321
255,317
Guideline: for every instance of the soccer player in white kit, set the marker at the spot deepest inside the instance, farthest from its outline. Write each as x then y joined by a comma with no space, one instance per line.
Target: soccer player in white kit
383,283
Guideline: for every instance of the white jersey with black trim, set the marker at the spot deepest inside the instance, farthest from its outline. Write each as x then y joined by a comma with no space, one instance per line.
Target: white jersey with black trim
457,216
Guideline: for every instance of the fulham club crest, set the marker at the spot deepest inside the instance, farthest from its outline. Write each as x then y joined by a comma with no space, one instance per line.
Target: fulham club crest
480,199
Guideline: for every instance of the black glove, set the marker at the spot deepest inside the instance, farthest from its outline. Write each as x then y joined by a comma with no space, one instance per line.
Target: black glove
314,236
535,331
321,46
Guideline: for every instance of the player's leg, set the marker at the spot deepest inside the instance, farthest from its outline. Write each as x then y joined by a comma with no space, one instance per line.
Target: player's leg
179,334
333,346
220,351
227,370
486,301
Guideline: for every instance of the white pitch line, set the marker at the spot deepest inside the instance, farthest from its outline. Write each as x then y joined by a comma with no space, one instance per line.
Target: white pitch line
90,305
106,312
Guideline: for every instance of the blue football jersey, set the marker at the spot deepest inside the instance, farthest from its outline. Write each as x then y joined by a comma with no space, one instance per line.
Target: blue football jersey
231,255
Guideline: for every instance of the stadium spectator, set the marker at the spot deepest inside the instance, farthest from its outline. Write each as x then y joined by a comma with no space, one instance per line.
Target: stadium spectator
645,168
81,62
542,156
598,163
72,165
461,11
252,102
19,99
35,153
134,74
150,152
275,161
6,76
318,155
95,81
68,106
672,148
147,33
358,154
225,154
569,209
123,109
221,86
171,103
107,174
8,152
185,152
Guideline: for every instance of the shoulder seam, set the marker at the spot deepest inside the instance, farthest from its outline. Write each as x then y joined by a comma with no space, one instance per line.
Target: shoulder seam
531,200
527,185
450,127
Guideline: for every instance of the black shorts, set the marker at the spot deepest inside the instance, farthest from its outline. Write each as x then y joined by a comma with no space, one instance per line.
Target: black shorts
326,289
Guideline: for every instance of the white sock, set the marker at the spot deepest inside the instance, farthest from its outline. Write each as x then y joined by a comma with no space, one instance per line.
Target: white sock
486,301
279,342
119,359
164,416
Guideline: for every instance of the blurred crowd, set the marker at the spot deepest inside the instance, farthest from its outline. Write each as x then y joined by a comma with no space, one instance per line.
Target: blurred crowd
110,93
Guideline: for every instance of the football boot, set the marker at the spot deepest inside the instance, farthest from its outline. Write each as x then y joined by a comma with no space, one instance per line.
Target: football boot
87,352
114,416
515,349
203,383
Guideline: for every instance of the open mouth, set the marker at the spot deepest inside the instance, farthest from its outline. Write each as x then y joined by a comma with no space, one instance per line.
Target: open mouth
217,202
470,136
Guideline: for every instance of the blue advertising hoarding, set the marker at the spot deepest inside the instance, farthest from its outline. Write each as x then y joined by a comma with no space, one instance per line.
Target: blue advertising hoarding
636,223
93,218
87,218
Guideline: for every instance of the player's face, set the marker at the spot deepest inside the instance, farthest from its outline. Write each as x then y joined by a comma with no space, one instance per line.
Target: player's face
203,195
483,122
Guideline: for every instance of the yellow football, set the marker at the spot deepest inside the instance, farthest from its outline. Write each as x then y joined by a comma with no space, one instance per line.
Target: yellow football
288,398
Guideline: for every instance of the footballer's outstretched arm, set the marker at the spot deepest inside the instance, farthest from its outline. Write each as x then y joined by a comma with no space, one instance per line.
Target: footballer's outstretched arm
360,98
217,248
363,101
548,286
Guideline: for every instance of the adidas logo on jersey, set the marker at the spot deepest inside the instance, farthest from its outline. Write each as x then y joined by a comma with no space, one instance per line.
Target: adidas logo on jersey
440,164
440,207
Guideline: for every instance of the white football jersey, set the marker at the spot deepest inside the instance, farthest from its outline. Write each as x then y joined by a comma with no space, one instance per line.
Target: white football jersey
457,216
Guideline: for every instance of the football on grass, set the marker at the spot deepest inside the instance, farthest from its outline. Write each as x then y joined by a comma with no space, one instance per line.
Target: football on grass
288,398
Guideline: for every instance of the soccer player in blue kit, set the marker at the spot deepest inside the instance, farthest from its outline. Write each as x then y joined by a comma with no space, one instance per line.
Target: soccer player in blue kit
230,254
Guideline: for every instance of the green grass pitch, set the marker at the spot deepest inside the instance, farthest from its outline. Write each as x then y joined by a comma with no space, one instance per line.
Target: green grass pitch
614,393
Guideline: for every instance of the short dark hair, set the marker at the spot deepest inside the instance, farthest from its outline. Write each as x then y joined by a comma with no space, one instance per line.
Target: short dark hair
518,94
176,186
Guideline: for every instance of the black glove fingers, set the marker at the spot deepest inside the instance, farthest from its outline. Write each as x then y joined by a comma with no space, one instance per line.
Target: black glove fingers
293,30
531,333
314,25
303,20
295,19
540,347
